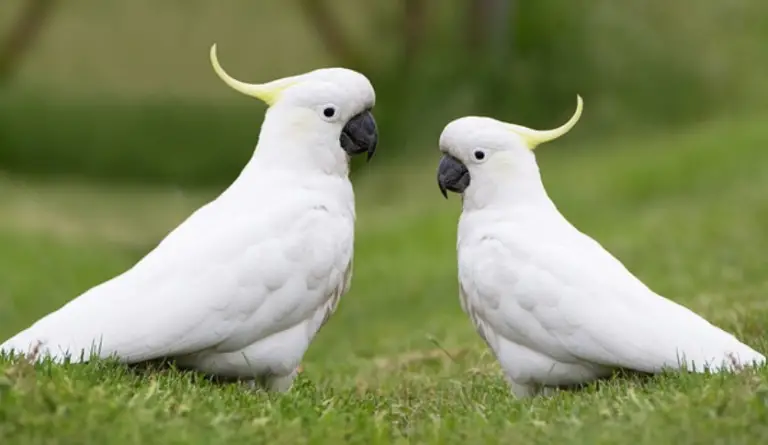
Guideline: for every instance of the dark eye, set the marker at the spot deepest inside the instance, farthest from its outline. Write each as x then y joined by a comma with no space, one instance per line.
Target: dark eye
329,112
479,155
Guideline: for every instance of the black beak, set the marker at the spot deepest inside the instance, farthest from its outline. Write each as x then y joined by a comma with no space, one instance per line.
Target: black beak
360,135
452,175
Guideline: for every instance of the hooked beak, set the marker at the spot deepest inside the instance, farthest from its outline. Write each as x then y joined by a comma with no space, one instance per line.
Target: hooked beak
360,135
452,175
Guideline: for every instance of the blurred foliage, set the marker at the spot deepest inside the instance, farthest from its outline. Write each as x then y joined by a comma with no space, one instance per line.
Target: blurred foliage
22,35
123,91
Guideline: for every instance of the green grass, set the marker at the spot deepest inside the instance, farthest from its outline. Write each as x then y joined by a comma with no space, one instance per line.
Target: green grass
685,211
125,92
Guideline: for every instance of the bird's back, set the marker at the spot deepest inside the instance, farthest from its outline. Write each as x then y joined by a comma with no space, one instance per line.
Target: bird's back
580,303
659,326
201,284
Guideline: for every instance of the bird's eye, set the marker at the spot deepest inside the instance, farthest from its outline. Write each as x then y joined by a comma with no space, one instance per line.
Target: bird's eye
329,112
479,155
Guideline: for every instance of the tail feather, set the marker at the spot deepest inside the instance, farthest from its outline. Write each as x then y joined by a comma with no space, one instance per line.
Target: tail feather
37,348
730,356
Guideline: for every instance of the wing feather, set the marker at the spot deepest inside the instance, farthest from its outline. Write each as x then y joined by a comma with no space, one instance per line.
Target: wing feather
581,305
218,281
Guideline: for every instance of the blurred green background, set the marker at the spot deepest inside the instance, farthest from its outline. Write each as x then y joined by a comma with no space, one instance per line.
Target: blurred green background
114,128
125,91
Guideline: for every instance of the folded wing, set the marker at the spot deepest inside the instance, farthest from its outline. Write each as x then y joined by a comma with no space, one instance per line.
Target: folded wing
222,281
581,305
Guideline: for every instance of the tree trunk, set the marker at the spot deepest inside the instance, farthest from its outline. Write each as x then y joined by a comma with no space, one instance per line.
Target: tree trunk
22,35
489,25
333,37
414,18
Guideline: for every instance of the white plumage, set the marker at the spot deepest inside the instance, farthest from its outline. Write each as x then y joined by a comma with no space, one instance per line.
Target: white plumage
554,306
242,286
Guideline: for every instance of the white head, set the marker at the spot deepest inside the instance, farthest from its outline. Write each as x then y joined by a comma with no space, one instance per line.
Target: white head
483,156
317,119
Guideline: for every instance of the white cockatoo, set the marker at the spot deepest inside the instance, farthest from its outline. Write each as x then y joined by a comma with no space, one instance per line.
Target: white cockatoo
553,305
241,287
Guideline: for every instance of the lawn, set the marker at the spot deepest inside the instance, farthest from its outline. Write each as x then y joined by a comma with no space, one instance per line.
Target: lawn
399,363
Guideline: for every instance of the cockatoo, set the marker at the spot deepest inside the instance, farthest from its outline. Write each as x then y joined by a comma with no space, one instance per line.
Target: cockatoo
241,288
552,304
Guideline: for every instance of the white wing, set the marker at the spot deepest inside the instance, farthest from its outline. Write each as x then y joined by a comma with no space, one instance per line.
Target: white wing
569,298
223,279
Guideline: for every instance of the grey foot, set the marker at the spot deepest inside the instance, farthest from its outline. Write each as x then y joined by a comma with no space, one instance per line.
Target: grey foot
273,383
281,383
522,391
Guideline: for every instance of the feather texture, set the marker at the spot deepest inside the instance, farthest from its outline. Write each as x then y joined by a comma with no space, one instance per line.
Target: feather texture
242,286
222,281
552,304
